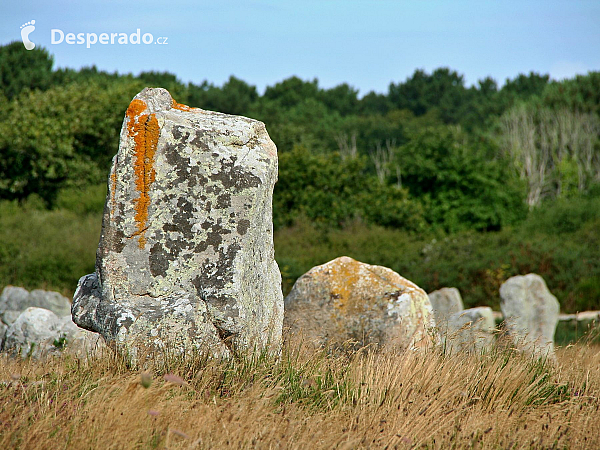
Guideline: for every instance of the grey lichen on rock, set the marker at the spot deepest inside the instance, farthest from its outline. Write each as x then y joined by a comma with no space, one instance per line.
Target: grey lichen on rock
471,330
186,256
530,314
445,302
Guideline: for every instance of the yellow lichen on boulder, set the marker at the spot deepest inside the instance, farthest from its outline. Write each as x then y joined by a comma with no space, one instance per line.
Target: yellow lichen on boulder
347,300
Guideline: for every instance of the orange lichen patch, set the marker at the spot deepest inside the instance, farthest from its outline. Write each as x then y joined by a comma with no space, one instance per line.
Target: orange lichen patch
353,288
145,131
182,107
113,189
135,109
356,287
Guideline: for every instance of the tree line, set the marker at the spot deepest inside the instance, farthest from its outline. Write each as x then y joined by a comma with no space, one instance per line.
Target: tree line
431,152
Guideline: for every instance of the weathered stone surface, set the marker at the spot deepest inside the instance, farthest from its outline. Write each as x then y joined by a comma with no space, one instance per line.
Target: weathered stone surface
345,299
470,330
445,302
31,333
39,332
3,328
10,316
530,313
18,299
186,256
13,297
78,341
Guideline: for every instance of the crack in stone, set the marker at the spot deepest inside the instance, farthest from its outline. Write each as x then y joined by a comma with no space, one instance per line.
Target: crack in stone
226,337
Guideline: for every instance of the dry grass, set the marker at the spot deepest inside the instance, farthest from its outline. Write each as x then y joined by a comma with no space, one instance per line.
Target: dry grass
306,399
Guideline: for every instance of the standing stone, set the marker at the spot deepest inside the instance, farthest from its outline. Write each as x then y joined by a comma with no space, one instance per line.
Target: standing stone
530,313
471,330
186,260
345,299
445,302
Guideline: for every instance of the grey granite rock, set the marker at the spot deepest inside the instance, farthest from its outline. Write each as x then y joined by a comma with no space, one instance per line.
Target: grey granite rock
78,341
530,313
33,333
3,328
10,316
39,332
346,299
17,299
470,330
445,302
186,259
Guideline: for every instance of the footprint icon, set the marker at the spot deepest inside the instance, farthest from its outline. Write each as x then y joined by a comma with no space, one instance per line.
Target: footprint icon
27,28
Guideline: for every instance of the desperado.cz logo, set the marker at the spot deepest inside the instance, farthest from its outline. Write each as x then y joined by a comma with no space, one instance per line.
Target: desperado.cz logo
58,37
26,30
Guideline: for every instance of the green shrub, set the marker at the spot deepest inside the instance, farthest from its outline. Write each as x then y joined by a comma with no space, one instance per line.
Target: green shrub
461,185
475,263
85,200
331,191
46,249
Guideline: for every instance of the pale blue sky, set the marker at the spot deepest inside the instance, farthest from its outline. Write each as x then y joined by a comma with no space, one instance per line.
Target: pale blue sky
365,43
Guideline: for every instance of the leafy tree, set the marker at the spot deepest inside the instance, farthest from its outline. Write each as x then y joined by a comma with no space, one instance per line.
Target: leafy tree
198,94
459,185
308,123
374,103
88,74
525,86
342,98
292,91
581,94
375,130
554,151
22,69
234,97
65,136
331,191
443,89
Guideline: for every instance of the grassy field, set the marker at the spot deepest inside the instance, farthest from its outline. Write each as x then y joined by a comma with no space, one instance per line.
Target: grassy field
305,399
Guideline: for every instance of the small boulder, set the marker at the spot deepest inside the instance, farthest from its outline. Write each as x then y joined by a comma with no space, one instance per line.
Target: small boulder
470,330
58,304
9,316
445,302
33,333
14,298
347,300
78,341
39,332
530,313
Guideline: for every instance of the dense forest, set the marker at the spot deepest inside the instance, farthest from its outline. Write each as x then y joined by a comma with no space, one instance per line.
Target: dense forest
448,184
